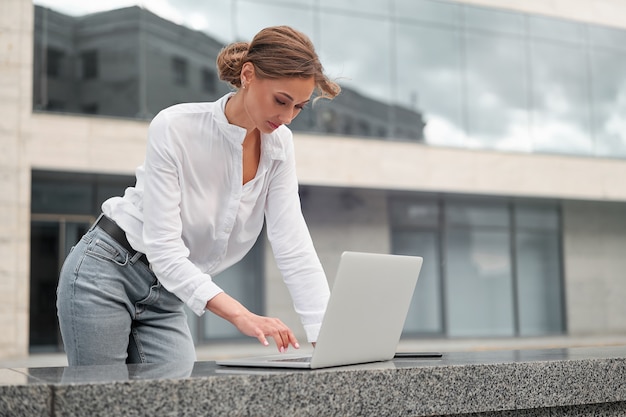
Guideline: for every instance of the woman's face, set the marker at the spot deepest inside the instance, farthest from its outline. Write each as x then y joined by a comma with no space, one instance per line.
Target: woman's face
270,103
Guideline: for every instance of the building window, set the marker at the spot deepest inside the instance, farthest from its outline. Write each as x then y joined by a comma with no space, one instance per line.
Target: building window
209,81
63,207
55,105
491,267
179,71
54,59
90,108
89,61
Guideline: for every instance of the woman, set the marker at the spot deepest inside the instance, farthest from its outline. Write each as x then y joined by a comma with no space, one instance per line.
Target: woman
212,173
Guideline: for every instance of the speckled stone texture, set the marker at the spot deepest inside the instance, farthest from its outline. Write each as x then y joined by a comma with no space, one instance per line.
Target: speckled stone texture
549,383
23,400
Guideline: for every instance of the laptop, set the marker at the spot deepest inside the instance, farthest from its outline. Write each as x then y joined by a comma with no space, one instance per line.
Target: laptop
366,311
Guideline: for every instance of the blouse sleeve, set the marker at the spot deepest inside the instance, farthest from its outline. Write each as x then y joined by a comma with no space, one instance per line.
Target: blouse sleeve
293,247
162,230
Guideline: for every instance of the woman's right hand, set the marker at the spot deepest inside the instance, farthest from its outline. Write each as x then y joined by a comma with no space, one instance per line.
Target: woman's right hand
252,324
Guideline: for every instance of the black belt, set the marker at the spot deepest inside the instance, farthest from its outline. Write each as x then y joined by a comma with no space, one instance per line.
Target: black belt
116,232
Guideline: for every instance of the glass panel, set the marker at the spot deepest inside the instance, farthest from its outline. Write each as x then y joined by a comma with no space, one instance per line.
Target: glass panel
605,36
379,7
145,64
44,269
556,29
74,193
485,19
56,197
560,97
73,233
179,71
212,17
74,8
428,11
349,48
416,80
539,283
477,214
497,85
414,213
429,80
357,52
537,217
608,69
478,283
425,312
254,16
106,191
50,242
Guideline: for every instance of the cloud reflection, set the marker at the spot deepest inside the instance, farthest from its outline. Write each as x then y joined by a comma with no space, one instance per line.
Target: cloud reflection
481,77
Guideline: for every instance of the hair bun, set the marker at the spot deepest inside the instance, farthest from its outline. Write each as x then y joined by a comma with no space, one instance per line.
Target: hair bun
229,62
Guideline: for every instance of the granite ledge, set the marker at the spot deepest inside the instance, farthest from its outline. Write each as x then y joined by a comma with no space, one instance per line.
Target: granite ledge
576,382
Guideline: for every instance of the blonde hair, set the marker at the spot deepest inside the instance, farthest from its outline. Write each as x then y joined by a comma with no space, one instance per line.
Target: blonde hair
276,52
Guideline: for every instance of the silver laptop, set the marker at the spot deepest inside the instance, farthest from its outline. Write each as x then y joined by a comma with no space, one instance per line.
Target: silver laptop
363,323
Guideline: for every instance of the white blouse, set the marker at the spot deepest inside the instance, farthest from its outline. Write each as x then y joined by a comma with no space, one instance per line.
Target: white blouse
192,217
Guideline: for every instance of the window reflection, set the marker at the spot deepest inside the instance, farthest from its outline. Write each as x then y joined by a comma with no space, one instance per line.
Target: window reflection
357,7
496,85
479,287
494,20
429,71
608,69
253,16
179,70
538,270
89,61
424,316
432,11
491,267
560,99
357,50
448,73
556,29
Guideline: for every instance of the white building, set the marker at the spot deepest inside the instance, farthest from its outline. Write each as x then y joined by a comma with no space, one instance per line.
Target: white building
515,197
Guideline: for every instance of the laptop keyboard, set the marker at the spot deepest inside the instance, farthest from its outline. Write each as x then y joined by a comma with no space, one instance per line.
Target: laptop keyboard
300,359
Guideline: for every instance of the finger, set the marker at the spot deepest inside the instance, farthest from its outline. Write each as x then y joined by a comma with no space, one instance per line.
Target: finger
261,337
293,340
287,337
278,338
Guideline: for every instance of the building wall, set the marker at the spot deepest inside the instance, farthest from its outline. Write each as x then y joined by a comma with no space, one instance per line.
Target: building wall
416,167
594,241
15,100
594,285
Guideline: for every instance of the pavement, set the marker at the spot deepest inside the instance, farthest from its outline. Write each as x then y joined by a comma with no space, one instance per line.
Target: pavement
219,350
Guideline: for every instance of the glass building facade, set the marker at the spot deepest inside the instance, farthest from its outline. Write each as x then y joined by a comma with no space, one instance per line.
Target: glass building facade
445,73
434,72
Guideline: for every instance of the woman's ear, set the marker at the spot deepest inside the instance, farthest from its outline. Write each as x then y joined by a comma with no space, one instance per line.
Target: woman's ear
247,73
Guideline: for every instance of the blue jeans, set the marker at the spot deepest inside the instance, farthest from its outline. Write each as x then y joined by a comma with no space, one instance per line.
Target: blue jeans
113,310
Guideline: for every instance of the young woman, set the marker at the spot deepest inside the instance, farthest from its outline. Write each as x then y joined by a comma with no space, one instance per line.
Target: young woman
213,172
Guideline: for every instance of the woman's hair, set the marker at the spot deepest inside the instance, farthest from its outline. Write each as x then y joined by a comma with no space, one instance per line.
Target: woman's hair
276,52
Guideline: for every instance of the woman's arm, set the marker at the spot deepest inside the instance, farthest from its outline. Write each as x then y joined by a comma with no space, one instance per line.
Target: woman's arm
252,324
293,247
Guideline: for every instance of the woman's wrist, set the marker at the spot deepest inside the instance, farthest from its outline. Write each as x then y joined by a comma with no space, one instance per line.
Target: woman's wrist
226,307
